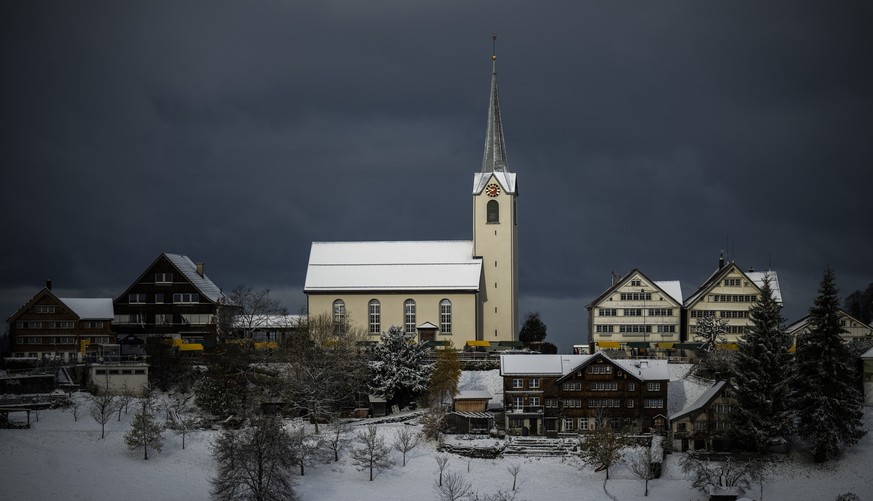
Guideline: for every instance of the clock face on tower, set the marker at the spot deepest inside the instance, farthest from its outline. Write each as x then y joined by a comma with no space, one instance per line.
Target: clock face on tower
492,190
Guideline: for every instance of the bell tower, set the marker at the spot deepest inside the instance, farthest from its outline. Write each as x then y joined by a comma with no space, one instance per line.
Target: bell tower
495,229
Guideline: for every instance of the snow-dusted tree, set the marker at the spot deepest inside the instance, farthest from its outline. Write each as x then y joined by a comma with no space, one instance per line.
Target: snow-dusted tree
370,452
306,448
514,469
182,421
397,366
707,475
252,311
405,439
102,407
710,331
442,461
336,439
601,448
220,391
641,461
254,463
123,397
444,376
323,371
762,417
73,406
144,431
533,330
827,400
453,487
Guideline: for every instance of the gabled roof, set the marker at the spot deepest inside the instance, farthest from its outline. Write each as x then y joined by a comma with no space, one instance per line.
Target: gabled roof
670,288
473,395
868,355
85,308
542,365
702,401
757,278
803,322
187,269
641,369
90,308
400,266
505,179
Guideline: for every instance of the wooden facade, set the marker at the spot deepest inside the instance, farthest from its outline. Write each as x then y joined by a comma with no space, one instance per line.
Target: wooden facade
705,424
48,327
172,298
629,395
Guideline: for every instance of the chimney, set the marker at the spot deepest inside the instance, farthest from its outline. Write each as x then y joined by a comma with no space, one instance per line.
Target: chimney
200,269
48,284
721,260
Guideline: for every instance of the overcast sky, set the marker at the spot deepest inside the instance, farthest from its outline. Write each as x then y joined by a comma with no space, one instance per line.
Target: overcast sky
648,135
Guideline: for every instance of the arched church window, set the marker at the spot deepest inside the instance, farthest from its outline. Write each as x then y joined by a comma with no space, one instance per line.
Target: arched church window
446,316
409,316
339,316
493,212
375,308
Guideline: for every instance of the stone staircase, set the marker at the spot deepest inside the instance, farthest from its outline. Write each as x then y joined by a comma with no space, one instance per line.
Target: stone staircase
539,446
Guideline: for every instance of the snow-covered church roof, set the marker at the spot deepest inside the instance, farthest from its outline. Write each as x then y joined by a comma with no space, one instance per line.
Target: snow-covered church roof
393,265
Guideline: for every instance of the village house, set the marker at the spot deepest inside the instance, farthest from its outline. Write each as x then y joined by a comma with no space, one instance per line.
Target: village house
705,423
563,394
853,329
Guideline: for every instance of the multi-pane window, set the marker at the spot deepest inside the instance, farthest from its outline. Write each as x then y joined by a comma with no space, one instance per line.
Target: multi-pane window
722,425
700,426
631,387
723,408
653,403
44,308
446,316
551,402
159,297
195,318
572,403
572,386
630,403
518,383
163,318
636,282
518,403
607,312
702,313
653,386
598,403
65,325
534,382
136,298
186,297
733,282
634,328
666,328
604,386
568,424
733,314
636,296
163,278
603,328
733,298
374,308
533,401
661,312
633,312
583,423
339,315
600,369
409,316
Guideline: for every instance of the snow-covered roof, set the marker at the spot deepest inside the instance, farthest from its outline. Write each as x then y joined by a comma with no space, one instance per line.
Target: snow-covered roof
701,401
90,308
505,179
646,369
671,287
868,355
546,365
473,395
758,278
417,265
189,269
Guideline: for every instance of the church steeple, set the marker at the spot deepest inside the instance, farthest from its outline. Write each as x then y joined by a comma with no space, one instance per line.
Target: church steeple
494,159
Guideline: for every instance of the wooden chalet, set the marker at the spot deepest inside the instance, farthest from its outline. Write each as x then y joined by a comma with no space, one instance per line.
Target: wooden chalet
705,424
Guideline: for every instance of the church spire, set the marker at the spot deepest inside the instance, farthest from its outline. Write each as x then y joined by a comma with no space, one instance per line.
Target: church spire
494,159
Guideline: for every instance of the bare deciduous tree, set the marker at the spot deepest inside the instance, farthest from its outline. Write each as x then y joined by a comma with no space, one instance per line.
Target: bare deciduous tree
306,448
514,469
442,462
102,407
73,406
453,488
713,474
371,453
337,437
405,440
642,464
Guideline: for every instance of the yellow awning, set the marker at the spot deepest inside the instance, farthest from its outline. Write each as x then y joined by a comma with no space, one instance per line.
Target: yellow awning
269,345
612,345
190,347
485,344
792,349
726,346
666,346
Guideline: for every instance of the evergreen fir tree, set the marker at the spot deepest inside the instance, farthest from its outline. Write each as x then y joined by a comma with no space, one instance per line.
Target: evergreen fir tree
144,431
828,404
398,370
762,367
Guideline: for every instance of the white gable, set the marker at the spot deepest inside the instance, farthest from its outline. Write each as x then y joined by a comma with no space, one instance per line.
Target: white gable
505,179
90,308
424,265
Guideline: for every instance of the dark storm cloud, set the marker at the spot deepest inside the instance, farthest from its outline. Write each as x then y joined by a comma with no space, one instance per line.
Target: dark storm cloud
645,136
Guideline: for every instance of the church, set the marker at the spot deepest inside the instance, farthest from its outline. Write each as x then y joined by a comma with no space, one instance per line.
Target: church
458,291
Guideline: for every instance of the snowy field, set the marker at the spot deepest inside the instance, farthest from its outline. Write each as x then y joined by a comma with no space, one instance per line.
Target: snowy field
61,459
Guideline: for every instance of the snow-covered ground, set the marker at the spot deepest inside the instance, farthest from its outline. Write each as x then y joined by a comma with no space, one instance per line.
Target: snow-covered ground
61,459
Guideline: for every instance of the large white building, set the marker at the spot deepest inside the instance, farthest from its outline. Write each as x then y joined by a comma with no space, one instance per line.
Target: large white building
442,290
